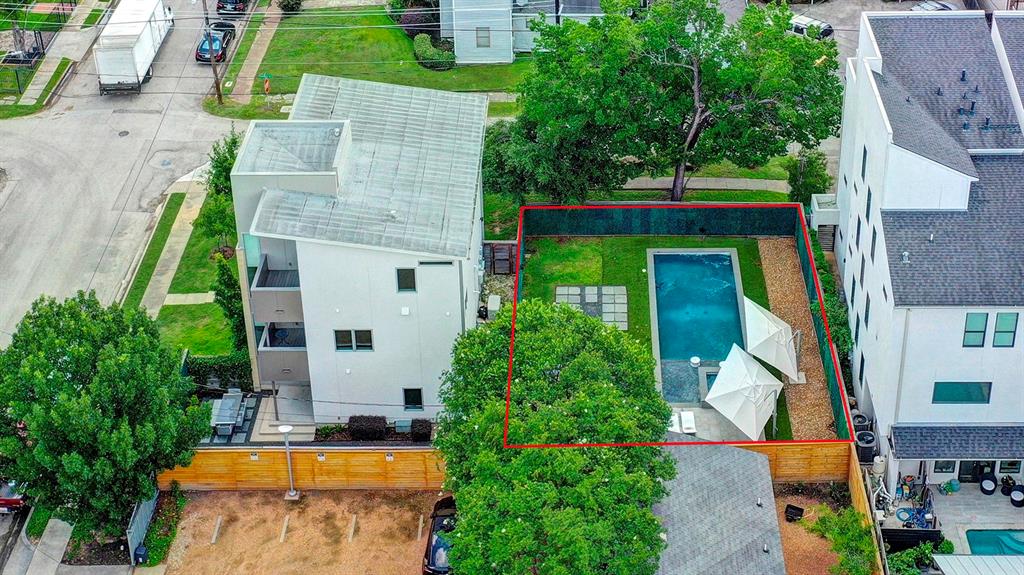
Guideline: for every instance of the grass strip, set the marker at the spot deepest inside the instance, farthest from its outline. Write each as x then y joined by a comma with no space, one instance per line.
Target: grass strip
156,247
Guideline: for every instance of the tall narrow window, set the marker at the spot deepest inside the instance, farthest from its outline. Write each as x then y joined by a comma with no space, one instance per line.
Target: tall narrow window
867,308
867,208
863,264
874,240
857,239
856,331
1006,330
860,370
853,290
413,399
974,329
864,163
406,279
483,37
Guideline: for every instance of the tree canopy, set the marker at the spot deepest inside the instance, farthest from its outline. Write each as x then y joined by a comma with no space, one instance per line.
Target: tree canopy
93,408
674,87
548,511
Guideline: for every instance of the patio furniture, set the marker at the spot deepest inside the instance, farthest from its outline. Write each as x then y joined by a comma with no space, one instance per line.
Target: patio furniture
988,484
745,392
683,422
227,413
1017,496
773,340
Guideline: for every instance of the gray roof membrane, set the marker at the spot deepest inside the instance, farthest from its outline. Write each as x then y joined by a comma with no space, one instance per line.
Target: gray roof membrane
411,178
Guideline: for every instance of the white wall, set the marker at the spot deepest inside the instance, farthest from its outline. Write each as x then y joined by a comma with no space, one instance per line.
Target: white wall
921,184
493,14
350,288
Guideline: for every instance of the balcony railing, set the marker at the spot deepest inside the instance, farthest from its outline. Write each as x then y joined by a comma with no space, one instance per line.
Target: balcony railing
281,354
275,295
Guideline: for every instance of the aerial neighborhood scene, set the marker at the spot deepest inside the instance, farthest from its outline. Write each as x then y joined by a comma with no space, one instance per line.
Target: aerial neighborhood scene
511,287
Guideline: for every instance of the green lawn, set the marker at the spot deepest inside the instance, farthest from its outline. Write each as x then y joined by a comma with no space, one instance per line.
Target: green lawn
26,109
94,16
11,78
42,21
773,170
37,522
365,44
200,328
503,109
197,270
254,110
622,261
156,246
750,196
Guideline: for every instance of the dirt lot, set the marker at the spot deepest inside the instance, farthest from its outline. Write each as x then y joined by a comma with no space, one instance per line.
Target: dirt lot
317,538
805,552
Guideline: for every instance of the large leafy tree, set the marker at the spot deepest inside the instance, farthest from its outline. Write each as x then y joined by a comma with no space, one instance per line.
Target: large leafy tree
93,407
229,297
673,87
548,511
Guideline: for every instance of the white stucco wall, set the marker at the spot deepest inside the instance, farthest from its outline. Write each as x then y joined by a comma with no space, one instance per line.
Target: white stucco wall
492,14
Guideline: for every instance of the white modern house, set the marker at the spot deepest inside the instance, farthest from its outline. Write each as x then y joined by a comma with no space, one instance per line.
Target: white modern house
930,242
360,226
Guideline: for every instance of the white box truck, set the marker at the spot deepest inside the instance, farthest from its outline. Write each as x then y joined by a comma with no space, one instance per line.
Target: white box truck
128,44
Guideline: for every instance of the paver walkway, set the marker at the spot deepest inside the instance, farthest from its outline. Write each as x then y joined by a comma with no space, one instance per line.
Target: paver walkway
698,183
241,91
189,298
160,283
50,549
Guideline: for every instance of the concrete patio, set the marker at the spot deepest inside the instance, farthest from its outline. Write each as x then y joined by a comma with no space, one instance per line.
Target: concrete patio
969,509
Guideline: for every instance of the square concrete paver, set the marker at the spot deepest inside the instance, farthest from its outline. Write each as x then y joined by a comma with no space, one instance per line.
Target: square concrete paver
607,303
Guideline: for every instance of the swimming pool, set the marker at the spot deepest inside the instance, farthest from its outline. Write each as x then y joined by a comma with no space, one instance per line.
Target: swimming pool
695,299
996,541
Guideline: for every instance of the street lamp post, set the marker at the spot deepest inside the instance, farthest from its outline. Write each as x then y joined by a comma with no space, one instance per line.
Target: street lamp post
292,494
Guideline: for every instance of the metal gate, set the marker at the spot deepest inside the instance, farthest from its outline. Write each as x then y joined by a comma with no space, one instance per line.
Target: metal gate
138,525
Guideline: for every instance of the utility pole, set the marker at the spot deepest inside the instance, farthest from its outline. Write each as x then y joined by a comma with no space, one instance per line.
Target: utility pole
213,57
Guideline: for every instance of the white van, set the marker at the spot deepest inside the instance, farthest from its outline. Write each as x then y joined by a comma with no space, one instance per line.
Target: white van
802,25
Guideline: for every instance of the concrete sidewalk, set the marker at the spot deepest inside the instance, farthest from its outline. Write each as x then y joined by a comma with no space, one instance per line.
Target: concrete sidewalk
750,184
50,549
241,91
170,257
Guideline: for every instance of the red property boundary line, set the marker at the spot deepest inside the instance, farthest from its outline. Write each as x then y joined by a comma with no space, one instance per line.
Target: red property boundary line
817,287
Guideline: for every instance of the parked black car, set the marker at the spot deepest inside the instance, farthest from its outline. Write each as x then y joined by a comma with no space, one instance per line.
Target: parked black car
442,521
222,33
232,7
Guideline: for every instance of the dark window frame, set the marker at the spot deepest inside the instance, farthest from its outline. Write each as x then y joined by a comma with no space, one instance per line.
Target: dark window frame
867,308
412,405
353,343
951,462
975,332
864,163
985,385
874,240
1011,332
407,272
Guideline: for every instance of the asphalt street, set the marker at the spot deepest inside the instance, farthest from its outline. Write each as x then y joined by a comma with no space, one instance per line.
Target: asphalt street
81,180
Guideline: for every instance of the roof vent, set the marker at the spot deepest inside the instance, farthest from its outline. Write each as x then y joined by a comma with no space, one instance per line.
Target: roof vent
977,89
967,126
938,91
906,257
988,123
336,132
973,104
759,503
963,75
765,548
931,237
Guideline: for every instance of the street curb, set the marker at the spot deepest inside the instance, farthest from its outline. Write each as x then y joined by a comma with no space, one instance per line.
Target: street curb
133,269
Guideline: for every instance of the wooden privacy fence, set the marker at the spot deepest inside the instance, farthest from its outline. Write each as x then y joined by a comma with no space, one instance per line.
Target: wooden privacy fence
231,469
806,462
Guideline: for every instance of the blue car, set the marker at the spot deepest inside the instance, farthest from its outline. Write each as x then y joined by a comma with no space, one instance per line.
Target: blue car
442,522
222,33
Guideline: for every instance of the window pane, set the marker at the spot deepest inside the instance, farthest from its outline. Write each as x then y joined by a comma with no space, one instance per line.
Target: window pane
961,392
1009,467
407,279
976,321
343,339
1006,322
944,466
976,339
413,398
364,339
1002,340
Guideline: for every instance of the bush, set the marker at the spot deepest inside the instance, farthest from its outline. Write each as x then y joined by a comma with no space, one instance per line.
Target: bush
37,522
835,307
368,427
808,175
232,369
289,6
849,533
421,429
429,56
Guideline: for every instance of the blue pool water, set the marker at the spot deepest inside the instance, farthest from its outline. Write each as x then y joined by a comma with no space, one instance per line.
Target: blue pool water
996,541
698,314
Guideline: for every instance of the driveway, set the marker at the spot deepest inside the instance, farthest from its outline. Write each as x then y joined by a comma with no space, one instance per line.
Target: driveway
84,177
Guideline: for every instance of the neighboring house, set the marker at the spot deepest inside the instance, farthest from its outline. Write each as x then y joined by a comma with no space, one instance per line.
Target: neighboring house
360,224
494,31
930,240
719,515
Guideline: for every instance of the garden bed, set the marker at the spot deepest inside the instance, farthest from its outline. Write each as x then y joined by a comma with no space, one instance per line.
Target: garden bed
85,549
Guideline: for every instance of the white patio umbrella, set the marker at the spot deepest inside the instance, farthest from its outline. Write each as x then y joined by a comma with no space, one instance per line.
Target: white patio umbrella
771,339
744,392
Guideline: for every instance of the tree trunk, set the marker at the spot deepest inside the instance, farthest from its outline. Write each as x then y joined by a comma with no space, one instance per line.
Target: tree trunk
679,182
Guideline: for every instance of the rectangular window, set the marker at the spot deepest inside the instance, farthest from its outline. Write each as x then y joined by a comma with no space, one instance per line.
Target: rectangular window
874,240
974,329
863,264
857,241
343,340
413,398
867,209
944,466
867,308
853,291
1009,466
1006,330
406,279
885,294
483,37
864,163
845,183
856,331
364,340
961,391
353,340
860,371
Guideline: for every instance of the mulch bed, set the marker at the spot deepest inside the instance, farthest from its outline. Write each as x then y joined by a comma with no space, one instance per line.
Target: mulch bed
113,552
810,407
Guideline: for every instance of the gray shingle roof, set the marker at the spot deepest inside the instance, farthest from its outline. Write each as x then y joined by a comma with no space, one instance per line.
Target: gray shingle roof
411,179
914,129
711,517
1011,32
958,441
975,257
926,54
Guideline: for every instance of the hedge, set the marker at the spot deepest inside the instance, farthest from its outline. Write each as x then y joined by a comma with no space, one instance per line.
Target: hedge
232,369
421,429
429,56
368,427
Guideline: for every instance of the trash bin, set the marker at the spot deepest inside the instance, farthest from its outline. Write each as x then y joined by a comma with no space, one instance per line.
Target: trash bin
141,555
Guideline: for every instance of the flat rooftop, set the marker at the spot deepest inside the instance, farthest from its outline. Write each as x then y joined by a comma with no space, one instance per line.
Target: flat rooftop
291,147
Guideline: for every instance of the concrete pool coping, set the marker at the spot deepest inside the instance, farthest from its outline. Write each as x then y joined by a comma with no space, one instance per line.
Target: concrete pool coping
734,258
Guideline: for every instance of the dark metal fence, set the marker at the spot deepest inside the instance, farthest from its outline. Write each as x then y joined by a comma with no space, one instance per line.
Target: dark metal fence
14,79
138,525
671,219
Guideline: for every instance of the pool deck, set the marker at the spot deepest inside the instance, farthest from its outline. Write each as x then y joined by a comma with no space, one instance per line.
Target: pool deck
969,509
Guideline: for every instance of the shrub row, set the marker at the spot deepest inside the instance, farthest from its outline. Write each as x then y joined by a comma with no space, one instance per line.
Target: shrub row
370,428
835,309
429,56
232,369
